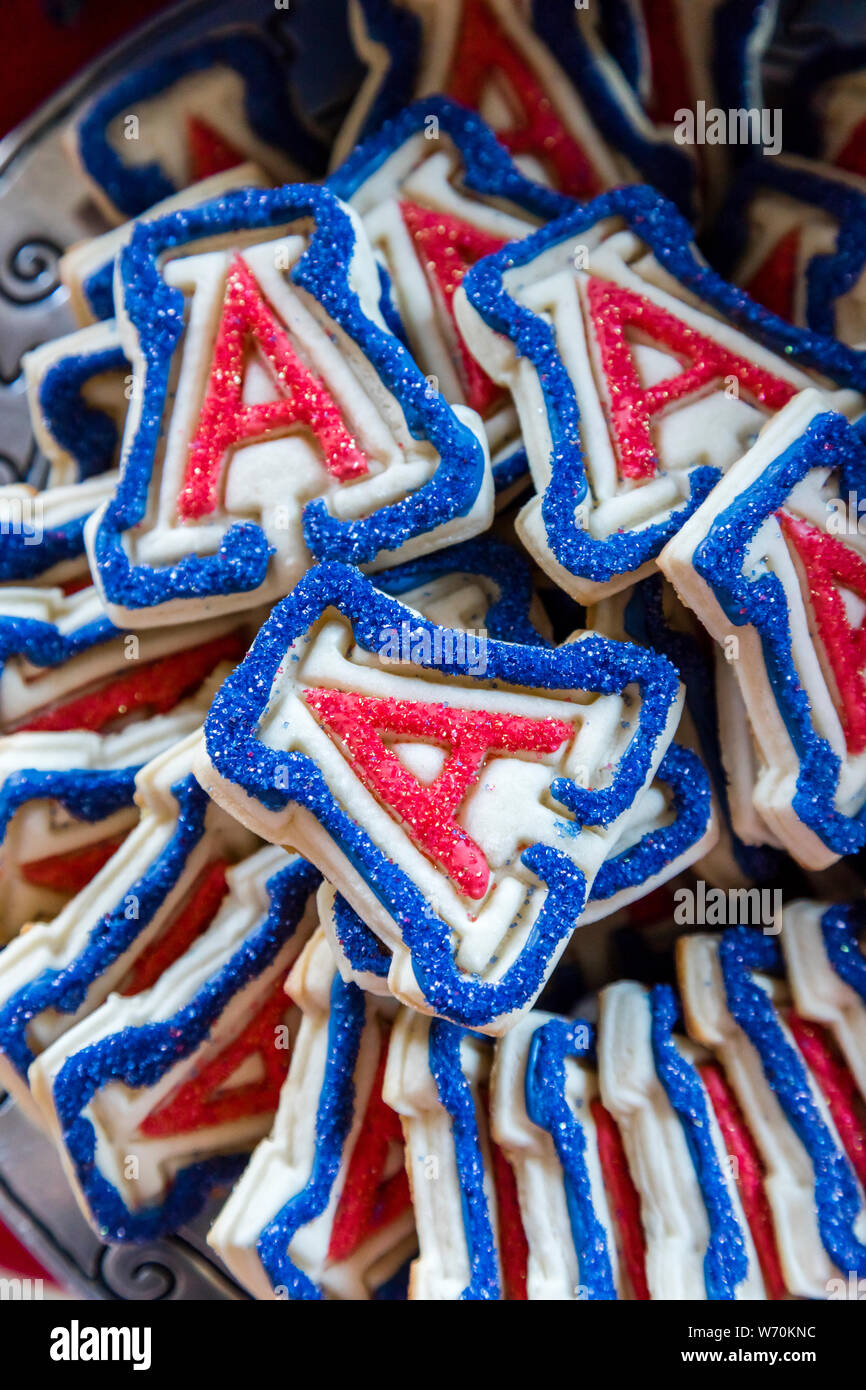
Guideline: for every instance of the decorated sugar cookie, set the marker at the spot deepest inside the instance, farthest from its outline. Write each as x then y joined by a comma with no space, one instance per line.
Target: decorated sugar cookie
794,1094
87,707
140,912
792,235
766,563
558,109
465,831
436,192
578,1204
823,949
639,377
63,665
670,827
158,1097
67,802
198,112
298,422
698,1240
470,1239
42,533
573,35
323,1209
651,614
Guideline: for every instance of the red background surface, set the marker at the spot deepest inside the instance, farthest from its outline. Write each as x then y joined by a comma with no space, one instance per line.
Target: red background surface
45,42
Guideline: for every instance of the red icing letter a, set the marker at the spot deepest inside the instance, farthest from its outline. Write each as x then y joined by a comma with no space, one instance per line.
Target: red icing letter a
226,420
449,247
428,811
484,52
205,1100
827,565
632,406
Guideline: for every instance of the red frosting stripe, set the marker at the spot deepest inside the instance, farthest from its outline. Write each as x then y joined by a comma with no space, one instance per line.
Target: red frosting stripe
205,1101
485,56
72,871
209,152
154,687
631,406
836,1085
370,1200
428,811
670,71
194,915
513,1245
828,564
740,1145
449,247
774,283
302,401
623,1198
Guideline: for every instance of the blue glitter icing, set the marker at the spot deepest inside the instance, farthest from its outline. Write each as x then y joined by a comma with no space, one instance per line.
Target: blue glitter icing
658,223
45,645
546,1105
277,779
98,290
837,1196
141,1056
668,167
762,603
682,771
828,275
84,793
157,312
645,622
487,171
508,617
88,435
64,990
455,1096
24,557
334,1116
136,188
842,928
726,1263
361,947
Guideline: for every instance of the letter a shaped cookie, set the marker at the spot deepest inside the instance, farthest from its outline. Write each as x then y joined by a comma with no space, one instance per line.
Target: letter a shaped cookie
580,130
698,1240
579,1206
431,209
158,1097
640,377
463,812
776,558
140,912
323,1209
274,417
794,1096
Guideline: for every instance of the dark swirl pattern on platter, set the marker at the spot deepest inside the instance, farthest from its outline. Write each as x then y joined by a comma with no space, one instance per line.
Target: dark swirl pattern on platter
31,271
